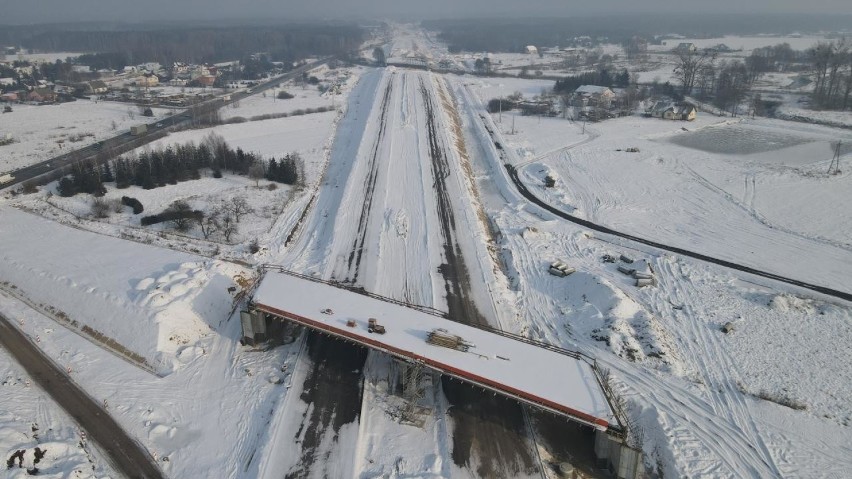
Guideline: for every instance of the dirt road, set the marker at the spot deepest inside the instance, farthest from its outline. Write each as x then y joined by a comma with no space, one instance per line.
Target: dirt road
123,452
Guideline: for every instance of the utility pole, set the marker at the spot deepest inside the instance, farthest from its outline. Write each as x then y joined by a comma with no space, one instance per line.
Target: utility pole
500,102
835,161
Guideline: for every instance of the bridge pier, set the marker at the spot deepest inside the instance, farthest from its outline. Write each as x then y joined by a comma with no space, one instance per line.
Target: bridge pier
614,454
253,324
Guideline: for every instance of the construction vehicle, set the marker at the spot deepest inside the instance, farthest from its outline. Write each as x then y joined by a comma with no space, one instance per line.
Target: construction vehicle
373,326
442,337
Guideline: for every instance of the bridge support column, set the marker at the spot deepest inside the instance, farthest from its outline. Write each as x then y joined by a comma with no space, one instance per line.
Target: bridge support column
620,458
254,326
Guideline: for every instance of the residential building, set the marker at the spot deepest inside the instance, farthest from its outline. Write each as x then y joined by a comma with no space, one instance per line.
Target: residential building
593,95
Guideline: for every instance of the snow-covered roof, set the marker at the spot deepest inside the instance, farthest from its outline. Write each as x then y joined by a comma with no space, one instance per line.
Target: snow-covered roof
546,377
593,89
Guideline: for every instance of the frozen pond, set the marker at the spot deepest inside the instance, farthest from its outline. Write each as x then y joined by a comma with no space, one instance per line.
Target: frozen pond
738,140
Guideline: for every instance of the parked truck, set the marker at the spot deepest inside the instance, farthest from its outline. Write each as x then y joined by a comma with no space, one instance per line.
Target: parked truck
138,130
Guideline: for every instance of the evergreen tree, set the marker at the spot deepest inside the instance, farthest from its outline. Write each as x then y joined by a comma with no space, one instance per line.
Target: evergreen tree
106,173
122,175
272,170
66,187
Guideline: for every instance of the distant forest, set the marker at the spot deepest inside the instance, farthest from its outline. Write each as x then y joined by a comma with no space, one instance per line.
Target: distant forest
512,35
190,44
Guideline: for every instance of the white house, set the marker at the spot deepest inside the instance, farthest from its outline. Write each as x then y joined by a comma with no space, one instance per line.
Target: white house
686,47
667,110
532,50
594,95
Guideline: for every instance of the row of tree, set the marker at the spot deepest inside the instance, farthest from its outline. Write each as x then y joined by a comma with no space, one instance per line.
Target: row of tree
728,84
601,77
171,165
832,71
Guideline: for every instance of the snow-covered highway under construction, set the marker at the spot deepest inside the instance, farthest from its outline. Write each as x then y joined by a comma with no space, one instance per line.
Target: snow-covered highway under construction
439,221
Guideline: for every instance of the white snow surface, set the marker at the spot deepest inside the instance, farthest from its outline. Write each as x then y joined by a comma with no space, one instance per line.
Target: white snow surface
695,392
151,301
39,131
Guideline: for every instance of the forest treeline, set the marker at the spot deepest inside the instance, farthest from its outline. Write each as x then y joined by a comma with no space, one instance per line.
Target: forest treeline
174,164
513,35
193,44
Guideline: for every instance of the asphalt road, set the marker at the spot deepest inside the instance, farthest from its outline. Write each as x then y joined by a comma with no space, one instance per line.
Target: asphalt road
125,455
155,130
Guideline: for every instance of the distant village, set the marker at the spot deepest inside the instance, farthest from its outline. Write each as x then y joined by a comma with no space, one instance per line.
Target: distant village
35,80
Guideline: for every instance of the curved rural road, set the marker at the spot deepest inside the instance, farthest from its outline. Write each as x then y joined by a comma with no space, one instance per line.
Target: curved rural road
526,193
126,455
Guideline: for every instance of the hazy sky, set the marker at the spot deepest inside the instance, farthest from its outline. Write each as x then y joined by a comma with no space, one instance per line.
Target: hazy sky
43,11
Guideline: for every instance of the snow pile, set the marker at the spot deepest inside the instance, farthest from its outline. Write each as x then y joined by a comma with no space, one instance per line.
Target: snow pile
181,300
144,301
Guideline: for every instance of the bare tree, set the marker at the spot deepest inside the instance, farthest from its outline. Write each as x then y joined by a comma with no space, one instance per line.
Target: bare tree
257,172
732,86
689,64
228,227
209,224
238,207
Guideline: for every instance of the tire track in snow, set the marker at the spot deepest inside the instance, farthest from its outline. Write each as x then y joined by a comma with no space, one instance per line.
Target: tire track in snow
716,368
506,451
460,304
356,254
748,205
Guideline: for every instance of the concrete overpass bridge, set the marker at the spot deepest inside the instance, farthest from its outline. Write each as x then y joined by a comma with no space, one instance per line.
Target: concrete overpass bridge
566,383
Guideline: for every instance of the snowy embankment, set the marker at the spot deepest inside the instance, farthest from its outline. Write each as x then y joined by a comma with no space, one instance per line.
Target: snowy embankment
174,309
151,302
709,404
42,132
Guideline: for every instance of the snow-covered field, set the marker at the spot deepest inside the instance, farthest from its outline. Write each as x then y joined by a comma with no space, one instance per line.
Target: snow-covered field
44,57
172,306
305,96
693,389
42,132
768,399
745,43
725,188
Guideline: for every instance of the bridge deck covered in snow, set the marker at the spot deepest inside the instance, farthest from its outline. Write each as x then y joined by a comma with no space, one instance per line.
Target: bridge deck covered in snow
546,377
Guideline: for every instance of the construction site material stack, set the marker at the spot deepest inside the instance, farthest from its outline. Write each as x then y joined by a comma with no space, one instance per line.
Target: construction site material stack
441,337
